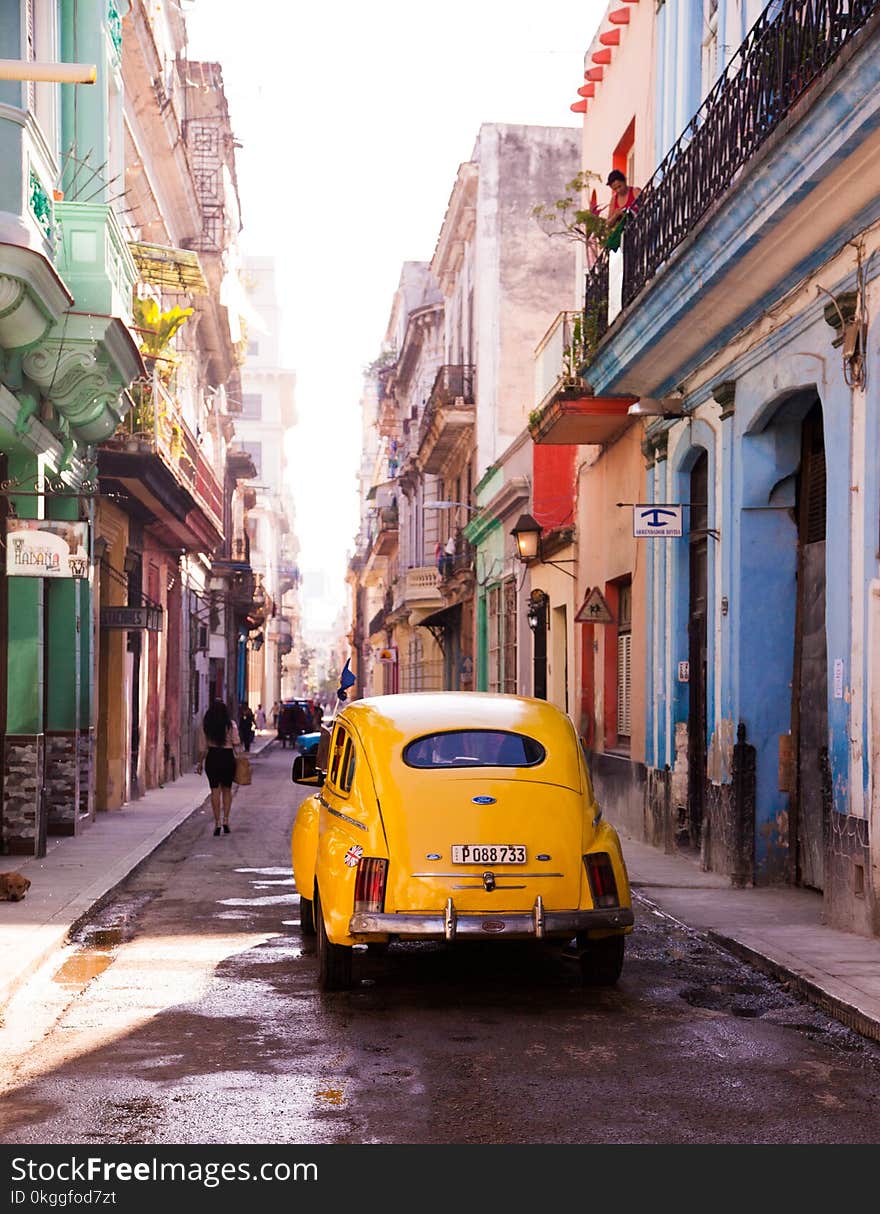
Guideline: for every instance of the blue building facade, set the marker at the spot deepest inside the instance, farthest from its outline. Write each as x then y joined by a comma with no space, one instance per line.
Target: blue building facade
749,276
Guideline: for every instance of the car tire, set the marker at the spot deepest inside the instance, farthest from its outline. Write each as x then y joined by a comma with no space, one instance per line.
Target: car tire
601,960
306,916
334,960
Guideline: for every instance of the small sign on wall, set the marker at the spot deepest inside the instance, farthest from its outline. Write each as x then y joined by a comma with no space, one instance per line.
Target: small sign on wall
838,678
684,672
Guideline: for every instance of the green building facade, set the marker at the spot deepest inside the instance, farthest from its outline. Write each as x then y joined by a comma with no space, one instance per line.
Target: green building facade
66,358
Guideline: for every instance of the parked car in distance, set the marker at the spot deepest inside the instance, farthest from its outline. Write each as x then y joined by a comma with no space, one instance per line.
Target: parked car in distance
294,719
456,815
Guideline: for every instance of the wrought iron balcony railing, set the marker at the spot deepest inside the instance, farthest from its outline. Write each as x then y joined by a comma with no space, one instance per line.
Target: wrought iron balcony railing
453,384
789,47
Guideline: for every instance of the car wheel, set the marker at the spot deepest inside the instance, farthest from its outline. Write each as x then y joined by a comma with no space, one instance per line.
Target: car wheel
601,960
334,960
306,916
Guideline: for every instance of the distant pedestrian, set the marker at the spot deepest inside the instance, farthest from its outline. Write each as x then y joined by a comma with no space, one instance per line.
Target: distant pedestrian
218,742
276,709
261,718
246,725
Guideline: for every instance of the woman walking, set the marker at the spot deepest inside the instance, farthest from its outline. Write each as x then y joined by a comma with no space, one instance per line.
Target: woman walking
217,745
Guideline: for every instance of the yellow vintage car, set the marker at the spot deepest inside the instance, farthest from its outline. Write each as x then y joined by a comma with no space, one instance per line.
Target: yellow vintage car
456,815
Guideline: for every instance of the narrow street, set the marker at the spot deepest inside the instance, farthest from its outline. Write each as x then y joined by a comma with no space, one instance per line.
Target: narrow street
188,1013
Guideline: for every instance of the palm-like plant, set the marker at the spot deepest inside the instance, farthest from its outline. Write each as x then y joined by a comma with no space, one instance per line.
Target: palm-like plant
157,329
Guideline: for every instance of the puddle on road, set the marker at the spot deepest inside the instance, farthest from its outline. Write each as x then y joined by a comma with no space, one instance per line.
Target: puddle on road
266,872
276,900
80,969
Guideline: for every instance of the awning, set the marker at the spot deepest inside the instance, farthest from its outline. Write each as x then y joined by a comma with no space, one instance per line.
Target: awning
177,271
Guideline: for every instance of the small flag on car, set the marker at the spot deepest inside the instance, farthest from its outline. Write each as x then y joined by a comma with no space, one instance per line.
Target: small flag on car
346,680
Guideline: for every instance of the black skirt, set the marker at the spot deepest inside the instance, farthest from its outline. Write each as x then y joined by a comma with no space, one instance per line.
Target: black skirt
220,766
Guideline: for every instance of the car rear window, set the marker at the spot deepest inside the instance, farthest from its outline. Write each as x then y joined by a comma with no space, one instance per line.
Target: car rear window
474,748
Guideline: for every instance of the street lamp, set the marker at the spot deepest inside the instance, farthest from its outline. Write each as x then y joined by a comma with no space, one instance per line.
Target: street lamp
527,534
448,506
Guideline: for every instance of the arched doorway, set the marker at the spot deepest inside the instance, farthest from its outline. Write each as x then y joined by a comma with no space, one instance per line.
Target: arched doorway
811,802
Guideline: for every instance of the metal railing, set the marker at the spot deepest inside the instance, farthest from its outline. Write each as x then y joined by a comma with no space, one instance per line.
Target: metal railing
453,384
156,425
559,354
791,44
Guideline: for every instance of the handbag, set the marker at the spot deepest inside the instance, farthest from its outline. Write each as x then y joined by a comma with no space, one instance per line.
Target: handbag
242,770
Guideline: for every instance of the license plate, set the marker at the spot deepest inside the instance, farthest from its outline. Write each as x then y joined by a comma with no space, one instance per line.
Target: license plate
489,853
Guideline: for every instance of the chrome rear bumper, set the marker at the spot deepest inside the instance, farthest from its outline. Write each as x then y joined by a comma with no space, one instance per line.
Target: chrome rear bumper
535,924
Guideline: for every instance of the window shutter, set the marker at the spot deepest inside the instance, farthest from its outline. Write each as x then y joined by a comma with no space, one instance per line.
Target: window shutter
624,683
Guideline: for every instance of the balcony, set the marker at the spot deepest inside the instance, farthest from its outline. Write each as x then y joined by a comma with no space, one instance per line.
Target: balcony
780,161
418,589
449,417
455,570
385,540
565,410
156,459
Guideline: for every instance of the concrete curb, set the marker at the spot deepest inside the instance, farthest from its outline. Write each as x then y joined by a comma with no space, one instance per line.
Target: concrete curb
839,1009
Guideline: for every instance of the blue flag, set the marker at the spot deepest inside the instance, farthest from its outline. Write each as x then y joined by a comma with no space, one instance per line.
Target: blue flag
346,680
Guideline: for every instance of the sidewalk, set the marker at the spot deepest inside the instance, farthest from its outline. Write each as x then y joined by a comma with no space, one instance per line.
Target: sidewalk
778,930
76,873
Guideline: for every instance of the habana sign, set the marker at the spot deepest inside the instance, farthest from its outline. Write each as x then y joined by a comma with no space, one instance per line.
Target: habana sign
37,547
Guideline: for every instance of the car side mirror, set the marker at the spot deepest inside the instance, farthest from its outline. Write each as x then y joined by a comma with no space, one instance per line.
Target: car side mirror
305,771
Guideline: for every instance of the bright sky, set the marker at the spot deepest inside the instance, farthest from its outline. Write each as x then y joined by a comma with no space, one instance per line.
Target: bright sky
354,118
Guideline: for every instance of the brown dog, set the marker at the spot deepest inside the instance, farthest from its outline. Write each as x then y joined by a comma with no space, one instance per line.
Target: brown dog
13,887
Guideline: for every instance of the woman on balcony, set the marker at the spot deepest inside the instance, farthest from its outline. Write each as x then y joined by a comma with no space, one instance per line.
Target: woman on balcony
623,200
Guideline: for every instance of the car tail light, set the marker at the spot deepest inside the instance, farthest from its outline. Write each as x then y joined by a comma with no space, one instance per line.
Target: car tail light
601,877
369,887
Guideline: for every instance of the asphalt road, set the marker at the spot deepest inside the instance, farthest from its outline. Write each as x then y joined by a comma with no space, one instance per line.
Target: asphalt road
187,1012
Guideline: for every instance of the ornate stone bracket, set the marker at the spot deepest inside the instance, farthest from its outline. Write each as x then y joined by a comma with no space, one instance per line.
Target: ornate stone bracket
724,394
82,369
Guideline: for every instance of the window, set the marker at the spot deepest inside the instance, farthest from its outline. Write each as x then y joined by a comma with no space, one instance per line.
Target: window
342,761
255,451
339,740
624,662
252,405
501,611
474,748
253,347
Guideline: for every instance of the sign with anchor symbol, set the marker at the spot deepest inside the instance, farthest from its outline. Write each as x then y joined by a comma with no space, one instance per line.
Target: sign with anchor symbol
652,521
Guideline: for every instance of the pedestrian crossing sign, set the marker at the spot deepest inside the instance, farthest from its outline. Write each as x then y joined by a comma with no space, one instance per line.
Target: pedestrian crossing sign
594,609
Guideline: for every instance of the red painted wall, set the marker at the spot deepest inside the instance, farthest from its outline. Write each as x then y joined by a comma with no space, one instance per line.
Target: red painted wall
553,485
